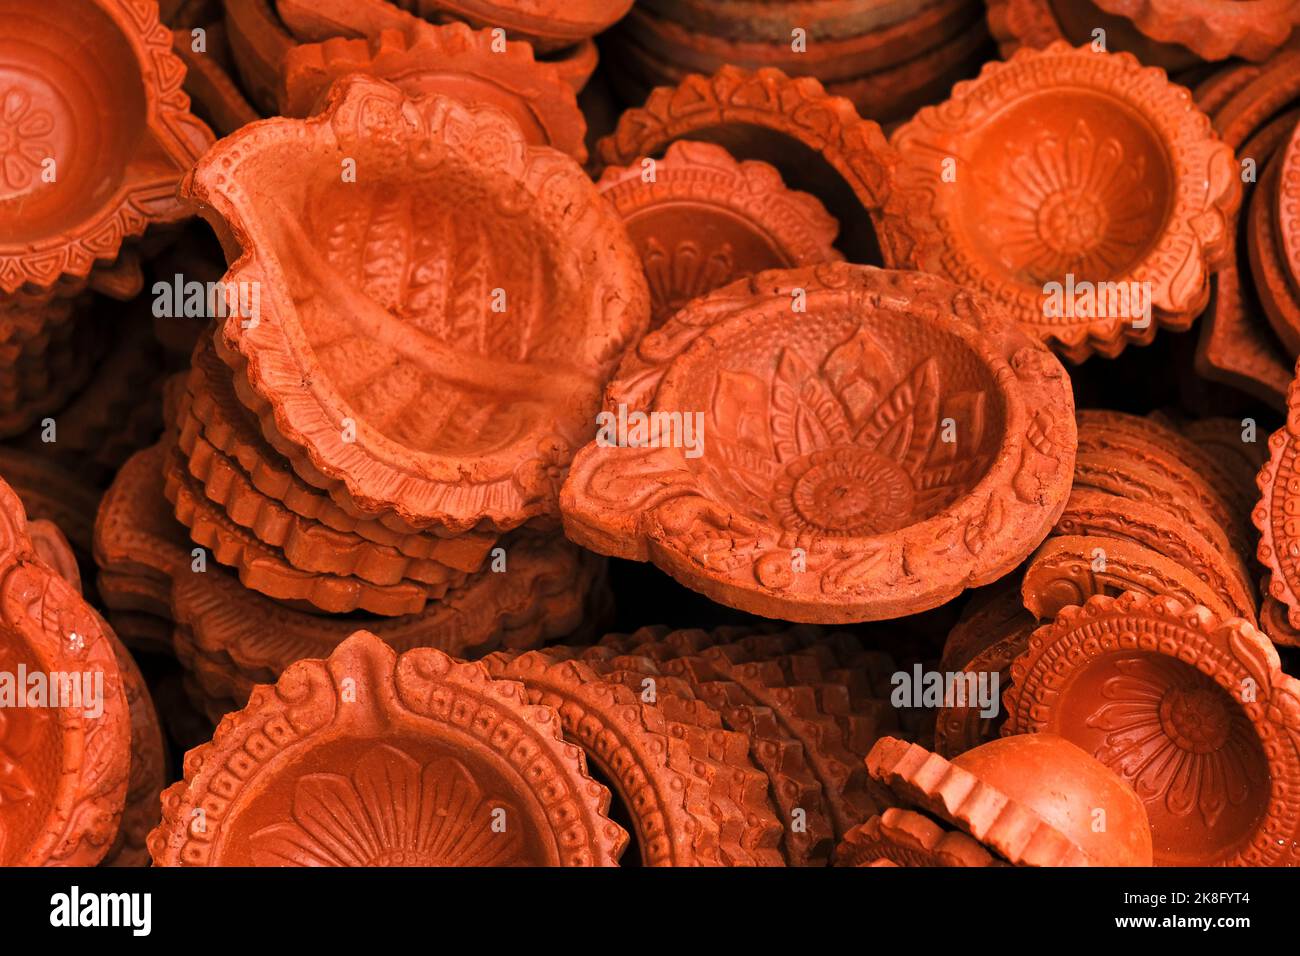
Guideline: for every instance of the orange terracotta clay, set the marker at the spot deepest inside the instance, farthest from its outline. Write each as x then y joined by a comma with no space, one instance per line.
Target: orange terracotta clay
1267,264
1069,569
472,66
805,501
829,60
1192,710
901,837
64,767
759,20
75,65
545,591
465,430
211,409
990,634
1249,28
1287,221
1039,23
1029,798
1074,192
148,770
817,140
701,220
414,757
51,492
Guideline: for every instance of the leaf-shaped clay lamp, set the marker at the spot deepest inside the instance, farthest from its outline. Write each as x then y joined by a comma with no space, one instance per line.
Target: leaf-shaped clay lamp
808,492
95,134
440,303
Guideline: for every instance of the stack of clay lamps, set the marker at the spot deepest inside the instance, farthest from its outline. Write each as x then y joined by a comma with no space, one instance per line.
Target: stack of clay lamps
826,492
430,762
473,66
1248,338
1191,709
78,190
1030,800
1075,193
148,770
1279,532
436,507
65,765
1150,511
1173,34
1132,522
889,59
818,141
209,75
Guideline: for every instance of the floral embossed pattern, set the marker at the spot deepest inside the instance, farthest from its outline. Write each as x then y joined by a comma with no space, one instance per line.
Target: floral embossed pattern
1065,169
1192,710
389,810
841,446
23,146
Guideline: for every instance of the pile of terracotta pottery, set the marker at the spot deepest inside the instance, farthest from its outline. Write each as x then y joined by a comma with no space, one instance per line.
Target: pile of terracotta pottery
492,433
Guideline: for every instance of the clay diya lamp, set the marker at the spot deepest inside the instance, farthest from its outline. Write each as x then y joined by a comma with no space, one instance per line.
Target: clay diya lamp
818,141
657,758
1236,448
74,66
148,770
64,744
554,27
1198,477
990,634
463,769
258,45
1214,31
832,522
416,391
1192,710
473,66
216,97
1068,569
700,220
1032,799
1076,194
829,60
799,737
901,837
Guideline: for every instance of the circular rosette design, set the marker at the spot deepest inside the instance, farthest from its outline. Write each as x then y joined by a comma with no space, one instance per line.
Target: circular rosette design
1193,711
1212,29
94,136
1275,517
370,759
65,731
1078,188
829,444
434,368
